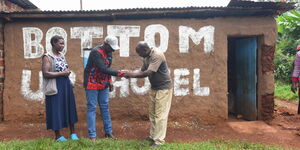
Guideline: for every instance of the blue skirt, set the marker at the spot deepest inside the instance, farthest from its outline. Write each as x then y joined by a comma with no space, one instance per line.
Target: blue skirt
61,107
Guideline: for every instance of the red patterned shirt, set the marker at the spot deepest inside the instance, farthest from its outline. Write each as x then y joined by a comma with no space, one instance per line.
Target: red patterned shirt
97,73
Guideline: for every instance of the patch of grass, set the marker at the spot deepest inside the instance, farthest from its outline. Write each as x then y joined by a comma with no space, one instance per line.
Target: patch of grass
238,145
283,91
107,144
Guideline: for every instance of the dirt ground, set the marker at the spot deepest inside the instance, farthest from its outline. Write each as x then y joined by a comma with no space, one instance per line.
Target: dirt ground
282,130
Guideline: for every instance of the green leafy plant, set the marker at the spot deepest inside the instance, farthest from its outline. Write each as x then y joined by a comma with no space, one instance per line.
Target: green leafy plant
283,60
288,38
283,91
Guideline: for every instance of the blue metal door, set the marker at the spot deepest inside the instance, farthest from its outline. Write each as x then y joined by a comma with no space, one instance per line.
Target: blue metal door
246,77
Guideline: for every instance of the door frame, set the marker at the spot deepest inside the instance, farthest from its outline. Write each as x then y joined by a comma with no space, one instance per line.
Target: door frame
259,41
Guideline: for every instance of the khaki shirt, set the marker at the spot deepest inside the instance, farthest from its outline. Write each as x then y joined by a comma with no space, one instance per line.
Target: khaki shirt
160,78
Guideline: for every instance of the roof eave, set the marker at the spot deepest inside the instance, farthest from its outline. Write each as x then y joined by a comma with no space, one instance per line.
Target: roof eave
140,14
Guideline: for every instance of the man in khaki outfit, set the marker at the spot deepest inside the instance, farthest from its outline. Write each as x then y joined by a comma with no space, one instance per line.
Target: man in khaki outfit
156,69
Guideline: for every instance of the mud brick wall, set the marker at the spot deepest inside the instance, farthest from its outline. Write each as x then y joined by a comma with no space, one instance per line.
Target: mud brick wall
267,100
1,70
198,69
5,6
268,106
267,58
9,6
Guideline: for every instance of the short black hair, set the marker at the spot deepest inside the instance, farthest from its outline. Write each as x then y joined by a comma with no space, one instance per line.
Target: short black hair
55,39
143,45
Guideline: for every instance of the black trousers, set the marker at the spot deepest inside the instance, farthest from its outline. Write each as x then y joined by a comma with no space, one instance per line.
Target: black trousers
299,106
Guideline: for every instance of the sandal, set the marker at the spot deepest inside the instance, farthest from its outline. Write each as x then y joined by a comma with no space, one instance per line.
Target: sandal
61,139
74,136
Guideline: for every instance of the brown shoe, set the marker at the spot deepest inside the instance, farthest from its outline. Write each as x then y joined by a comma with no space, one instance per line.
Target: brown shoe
148,139
110,136
155,145
93,140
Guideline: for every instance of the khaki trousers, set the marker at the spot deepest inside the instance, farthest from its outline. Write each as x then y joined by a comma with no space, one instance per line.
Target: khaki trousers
159,107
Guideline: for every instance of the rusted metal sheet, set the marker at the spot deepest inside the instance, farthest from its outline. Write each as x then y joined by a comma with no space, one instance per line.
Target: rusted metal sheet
262,5
26,4
234,9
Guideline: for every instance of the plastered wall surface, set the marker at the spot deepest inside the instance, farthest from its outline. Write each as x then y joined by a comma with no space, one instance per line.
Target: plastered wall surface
196,51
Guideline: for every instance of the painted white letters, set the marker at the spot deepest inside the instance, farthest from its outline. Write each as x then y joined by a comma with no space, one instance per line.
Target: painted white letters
163,32
123,84
33,49
124,32
178,91
29,44
25,87
206,33
86,34
140,90
199,91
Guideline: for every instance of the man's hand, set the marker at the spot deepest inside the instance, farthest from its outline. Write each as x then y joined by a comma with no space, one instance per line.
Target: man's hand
127,73
111,87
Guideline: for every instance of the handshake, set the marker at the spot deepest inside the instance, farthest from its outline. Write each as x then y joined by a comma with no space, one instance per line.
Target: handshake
130,73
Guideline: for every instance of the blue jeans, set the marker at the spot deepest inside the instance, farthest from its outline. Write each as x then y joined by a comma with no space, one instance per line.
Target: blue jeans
102,97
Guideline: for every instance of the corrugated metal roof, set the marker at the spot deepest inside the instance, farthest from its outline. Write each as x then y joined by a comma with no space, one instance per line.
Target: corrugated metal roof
116,10
26,4
233,9
261,5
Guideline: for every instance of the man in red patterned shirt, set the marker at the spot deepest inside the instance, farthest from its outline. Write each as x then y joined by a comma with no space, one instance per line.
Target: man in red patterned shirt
98,83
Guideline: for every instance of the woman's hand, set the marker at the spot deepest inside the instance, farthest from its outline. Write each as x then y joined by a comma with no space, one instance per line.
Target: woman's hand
67,72
294,87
